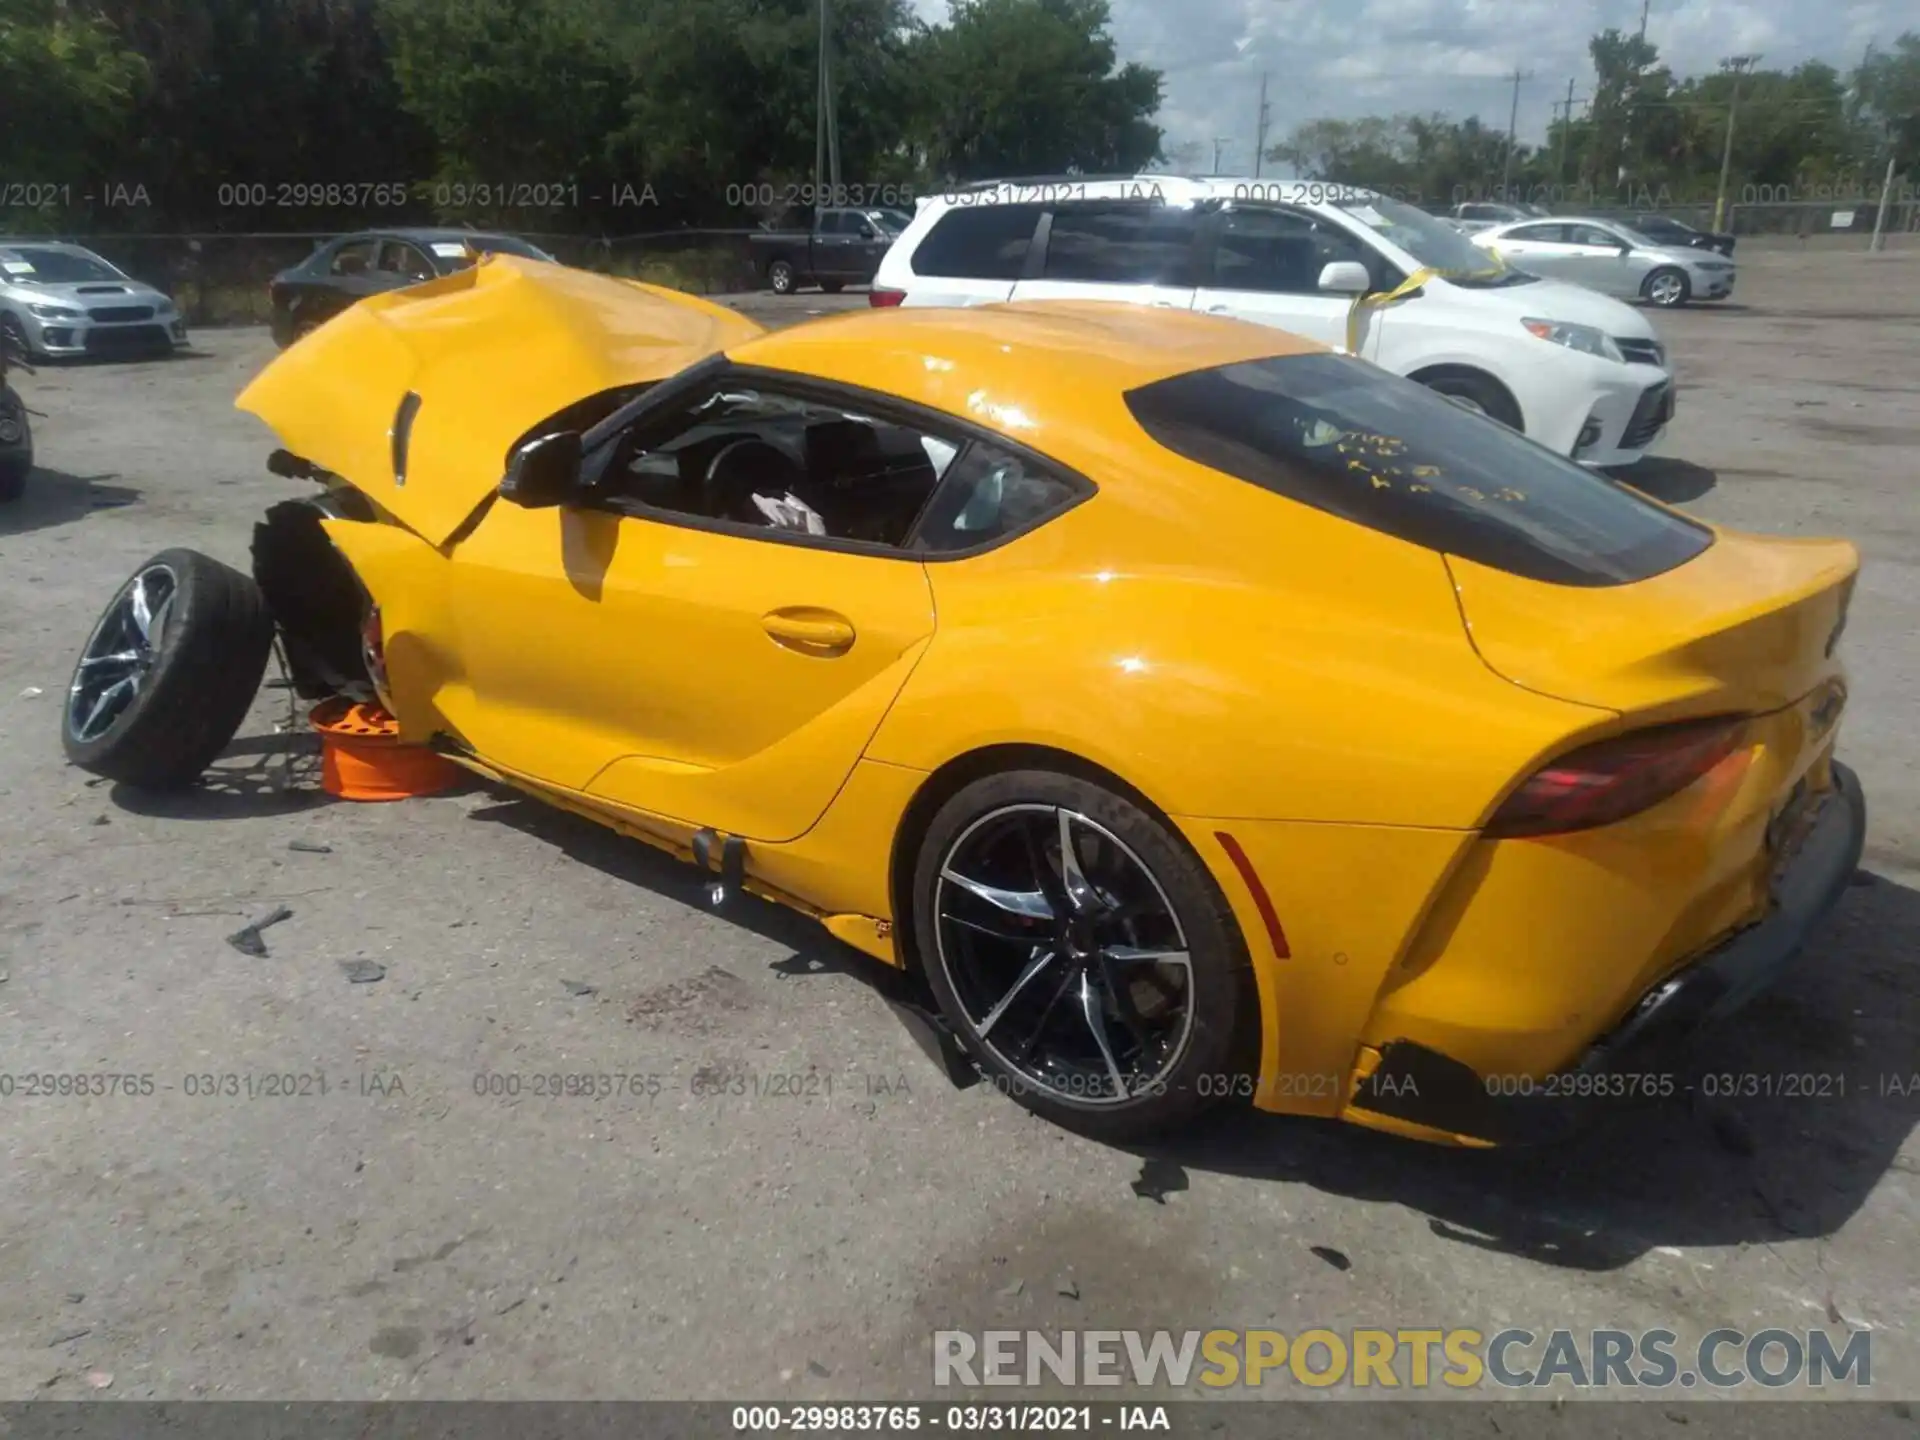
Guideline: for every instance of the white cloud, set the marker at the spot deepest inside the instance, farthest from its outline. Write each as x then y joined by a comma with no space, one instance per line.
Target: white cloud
1358,57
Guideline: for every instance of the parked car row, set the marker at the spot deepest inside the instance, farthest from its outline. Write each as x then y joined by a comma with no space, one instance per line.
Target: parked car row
1563,363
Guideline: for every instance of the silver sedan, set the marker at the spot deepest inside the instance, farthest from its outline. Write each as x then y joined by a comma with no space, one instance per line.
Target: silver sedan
1610,257
61,299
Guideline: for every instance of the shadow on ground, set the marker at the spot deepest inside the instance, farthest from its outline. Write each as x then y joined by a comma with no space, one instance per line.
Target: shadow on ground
54,497
1674,482
1816,1087
255,775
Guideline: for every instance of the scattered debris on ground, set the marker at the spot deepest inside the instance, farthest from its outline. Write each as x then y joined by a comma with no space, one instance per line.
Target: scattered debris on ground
247,940
363,972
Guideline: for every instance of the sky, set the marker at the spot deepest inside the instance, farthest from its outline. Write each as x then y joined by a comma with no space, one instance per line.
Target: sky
1346,58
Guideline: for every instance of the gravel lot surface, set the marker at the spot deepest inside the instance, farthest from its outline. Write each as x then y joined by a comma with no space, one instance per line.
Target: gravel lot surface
404,1236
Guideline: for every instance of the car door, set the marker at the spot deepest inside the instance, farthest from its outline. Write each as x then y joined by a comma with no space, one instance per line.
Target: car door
870,242
656,651
1539,249
1599,259
830,246
1263,264
1137,251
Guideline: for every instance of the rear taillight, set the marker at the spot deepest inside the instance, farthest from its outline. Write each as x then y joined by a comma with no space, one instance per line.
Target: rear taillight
880,299
1599,784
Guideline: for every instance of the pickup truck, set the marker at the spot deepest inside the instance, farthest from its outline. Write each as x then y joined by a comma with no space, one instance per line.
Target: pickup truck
842,247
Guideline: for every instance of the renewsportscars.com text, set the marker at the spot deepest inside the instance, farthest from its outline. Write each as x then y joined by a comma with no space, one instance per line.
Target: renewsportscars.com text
1405,1359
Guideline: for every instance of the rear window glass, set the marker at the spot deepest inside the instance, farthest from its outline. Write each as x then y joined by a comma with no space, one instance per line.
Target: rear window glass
1337,434
978,242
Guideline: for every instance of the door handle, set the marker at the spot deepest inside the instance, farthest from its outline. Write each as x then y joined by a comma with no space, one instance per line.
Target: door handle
810,631
1218,309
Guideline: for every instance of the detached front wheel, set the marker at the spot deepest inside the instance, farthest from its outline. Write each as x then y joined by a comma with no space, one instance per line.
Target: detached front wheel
168,673
1083,954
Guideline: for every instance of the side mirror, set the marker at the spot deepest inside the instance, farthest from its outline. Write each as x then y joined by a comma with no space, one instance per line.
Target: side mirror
1346,277
544,472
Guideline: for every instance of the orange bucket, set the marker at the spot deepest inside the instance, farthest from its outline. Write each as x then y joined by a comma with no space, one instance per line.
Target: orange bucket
361,757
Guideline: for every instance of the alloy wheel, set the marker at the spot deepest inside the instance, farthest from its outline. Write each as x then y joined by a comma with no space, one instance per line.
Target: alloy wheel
120,653
1064,953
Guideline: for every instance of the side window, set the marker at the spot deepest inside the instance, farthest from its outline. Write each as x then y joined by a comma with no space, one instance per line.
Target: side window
1590,235
1540,234
833,222
1283,252
978,242
990,493
1123,243
399,258
355,258
766,461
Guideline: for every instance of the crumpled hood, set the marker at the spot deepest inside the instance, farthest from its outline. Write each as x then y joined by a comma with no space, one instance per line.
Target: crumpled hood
490,351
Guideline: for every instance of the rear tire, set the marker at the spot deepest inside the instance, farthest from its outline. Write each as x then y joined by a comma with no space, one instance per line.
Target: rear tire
154,700
781,277
1144,894
13,479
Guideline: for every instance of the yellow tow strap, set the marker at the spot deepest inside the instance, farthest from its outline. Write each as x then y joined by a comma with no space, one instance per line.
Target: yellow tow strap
1413,282
1379,300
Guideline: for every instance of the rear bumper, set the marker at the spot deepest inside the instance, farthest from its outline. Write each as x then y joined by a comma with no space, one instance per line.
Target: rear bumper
1640,1060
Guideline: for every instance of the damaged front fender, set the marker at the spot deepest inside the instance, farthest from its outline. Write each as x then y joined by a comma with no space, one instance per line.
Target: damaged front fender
415,397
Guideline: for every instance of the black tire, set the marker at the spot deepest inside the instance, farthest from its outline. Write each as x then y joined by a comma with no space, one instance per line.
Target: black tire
1221,1004
201,676
1670,297
13,336
1476,392
13,479
833,287
782,277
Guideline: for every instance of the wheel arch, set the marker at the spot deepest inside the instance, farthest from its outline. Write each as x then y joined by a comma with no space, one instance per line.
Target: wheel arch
1427,374
313,593
1254,1039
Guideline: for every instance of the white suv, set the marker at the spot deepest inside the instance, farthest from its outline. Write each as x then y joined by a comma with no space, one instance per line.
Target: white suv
1581,373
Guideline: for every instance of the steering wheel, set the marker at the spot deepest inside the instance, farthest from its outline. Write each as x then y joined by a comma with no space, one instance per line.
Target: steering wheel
743,469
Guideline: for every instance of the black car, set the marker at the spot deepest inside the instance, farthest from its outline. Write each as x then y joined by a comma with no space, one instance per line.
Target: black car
841,247
370,261
1665,230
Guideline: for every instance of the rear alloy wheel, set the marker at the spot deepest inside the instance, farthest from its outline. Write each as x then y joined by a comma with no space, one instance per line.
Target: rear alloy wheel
168,673
1666,287
781,277
1082,953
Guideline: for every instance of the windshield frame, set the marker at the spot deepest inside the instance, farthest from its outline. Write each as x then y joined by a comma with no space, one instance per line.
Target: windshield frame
75,254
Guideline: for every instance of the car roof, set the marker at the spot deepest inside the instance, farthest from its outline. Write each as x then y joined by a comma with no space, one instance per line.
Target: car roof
1023,368
25,242
428,233
1056,189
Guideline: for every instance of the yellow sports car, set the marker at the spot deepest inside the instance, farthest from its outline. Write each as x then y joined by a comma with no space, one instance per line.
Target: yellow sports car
1200,714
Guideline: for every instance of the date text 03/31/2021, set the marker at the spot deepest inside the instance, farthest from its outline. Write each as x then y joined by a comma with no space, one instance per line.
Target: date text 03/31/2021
957,1419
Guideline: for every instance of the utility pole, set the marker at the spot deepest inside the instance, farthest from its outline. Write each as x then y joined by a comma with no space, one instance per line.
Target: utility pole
1260,131
1513,119
1220,142
1626,124
1886,189
1739,65
826,135
1566,124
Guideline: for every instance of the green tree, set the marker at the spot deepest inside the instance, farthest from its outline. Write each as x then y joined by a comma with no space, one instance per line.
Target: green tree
68,89
1030,87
